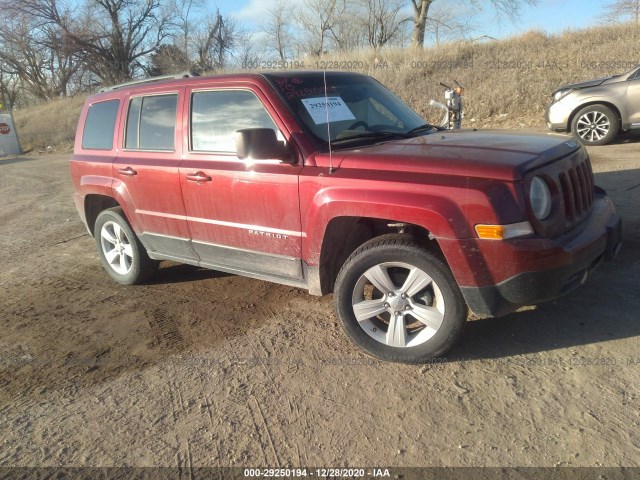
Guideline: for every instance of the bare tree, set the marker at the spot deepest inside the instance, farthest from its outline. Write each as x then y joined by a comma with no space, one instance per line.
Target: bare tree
349,25
215,40
182,19
318,20
445,23
420,13
39,55
10,87
622,10
113,35
382,20
510,8
277,29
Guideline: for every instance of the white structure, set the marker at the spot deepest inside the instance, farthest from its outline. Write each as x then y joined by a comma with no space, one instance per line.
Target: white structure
9,144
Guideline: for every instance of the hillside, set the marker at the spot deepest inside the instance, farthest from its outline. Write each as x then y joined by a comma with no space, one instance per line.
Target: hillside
507,82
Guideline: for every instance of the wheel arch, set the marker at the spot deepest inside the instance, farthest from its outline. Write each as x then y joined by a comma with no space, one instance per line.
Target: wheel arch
93,205
604,103
345,234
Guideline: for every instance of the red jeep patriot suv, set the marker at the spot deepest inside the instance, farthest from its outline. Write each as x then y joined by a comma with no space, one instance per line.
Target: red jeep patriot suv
328,182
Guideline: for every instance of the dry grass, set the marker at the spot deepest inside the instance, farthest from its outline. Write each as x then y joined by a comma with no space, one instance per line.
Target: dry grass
507,83
49,126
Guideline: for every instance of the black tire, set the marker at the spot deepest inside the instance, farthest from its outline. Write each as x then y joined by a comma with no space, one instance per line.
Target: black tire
394,254
138,266
595,125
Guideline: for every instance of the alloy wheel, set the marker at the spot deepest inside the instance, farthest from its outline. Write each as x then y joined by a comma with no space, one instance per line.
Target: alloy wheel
398,304
116,247
593,126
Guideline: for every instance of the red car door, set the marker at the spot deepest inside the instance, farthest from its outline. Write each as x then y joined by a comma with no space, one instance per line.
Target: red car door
146,171
243,216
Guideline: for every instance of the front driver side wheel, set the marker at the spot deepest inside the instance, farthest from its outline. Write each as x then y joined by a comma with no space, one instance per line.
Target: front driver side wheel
398,301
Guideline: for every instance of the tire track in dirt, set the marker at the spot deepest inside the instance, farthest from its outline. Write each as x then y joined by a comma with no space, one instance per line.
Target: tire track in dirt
268,432
228,341
166,330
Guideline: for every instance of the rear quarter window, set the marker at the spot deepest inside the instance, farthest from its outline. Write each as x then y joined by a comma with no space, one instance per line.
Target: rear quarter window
100,125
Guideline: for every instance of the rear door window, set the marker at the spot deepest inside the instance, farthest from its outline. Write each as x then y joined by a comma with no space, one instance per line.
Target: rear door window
151,123
100,125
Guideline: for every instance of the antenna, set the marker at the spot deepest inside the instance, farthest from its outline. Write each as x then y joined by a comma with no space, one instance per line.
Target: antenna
326,107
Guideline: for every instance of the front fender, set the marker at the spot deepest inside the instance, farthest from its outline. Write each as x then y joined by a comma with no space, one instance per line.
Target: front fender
617,101
440,216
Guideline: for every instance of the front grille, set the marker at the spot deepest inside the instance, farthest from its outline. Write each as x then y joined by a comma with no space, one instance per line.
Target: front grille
576,185
571,181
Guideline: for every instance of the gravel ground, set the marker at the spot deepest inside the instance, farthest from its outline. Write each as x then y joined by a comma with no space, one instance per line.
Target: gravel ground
201,368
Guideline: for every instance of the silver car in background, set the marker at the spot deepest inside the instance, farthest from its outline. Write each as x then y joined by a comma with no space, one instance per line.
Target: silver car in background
597,110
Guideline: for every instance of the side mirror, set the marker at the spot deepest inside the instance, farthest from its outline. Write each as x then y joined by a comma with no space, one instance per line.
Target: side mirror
261,144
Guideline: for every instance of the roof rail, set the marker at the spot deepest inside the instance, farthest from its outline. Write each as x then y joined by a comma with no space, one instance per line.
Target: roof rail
173,76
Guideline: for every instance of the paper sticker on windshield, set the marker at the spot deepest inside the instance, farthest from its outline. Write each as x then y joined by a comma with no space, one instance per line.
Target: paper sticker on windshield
321,108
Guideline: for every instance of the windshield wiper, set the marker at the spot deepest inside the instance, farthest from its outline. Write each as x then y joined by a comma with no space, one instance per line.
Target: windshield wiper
426,126
374,135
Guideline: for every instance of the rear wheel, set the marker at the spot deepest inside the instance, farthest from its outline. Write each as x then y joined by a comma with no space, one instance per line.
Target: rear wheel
122,255
398,301
595,125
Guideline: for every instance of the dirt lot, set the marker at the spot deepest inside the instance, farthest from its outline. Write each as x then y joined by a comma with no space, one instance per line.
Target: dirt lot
207,369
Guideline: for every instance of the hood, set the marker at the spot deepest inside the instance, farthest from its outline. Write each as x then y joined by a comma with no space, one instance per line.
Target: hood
578,86
483,154
597,81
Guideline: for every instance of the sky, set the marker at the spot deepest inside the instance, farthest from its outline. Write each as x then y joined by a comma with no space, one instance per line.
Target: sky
550,15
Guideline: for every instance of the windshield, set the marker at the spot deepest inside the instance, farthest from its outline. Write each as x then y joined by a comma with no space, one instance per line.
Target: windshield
353,107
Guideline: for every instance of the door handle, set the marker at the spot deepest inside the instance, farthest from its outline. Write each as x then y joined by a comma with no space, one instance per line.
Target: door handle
198,177
127,171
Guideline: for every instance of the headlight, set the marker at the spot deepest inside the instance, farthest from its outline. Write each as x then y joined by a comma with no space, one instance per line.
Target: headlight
540,198
561,94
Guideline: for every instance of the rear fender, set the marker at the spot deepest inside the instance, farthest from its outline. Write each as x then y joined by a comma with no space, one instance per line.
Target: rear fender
124,198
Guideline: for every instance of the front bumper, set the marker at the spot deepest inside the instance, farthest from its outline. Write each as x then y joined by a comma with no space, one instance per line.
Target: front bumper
562,264
556,118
